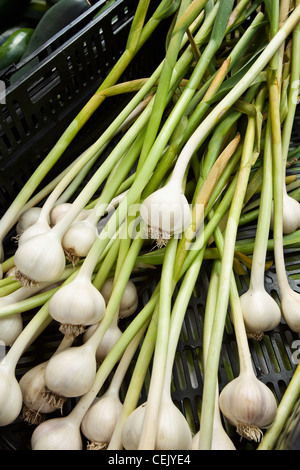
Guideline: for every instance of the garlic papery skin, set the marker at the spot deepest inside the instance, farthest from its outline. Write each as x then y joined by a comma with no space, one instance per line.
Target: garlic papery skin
10,328
290,306
173,431
249,405
78,239
110,337
261,312
76,305
166,212
100,420
27,218
40,259
35,396
10,394
57,434
71,372
129,301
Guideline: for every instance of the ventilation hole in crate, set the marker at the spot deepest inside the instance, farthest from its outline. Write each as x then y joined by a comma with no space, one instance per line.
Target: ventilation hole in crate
189,413
43,113
192,372
35,121
270,354
67,91
6,142
178,373
260,366
16,134
226,364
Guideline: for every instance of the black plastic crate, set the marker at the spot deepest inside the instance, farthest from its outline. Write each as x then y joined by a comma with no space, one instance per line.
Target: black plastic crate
63,75
37,110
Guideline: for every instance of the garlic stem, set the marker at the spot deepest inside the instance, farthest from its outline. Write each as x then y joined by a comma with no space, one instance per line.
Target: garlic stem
220,439
149,430
136,381
284,411
36,325
207,124
118,377
187,13
210,382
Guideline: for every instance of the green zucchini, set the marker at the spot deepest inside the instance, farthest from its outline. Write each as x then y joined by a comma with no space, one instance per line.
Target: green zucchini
13,48
5,33
11,11
54,20
35,11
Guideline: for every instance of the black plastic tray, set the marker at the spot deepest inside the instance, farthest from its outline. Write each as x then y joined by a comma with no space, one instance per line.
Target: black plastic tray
63,75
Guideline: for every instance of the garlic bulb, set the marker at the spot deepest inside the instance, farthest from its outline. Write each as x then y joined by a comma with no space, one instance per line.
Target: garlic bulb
76,305
261,312
129,301
99,421
166,212
249,405
173,432
38,228
78,239
27,218
10,328
71,372
57,434
220,440
290,306
111,336
290,214
59,210
35,397
10,394
40,259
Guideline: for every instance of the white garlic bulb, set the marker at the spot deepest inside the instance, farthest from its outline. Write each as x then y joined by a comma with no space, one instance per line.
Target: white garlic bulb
40,259
166,212
290,306
35,397
110,337
173,431
79,238
38,228
290,214
249,405
77,304
27,218
10,328
129,301
71,373
220,440
59,210
10,394
100,420
261,312
57,434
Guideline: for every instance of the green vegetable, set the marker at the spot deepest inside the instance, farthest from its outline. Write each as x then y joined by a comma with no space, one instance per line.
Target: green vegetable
54,20
13,48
